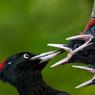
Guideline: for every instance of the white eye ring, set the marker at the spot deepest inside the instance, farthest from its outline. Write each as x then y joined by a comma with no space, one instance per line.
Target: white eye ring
26,56
10,63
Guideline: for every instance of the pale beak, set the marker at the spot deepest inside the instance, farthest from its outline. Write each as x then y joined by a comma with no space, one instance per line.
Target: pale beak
87,38
46,56
90,82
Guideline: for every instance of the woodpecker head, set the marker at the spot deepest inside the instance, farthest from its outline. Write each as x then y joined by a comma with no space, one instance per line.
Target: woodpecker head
23,65
81,48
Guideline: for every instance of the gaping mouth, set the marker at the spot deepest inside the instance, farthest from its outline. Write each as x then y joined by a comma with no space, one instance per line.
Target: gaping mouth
87,41
87,38
61,48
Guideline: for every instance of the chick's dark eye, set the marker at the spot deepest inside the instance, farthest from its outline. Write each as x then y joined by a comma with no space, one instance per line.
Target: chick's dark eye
76,46
26,56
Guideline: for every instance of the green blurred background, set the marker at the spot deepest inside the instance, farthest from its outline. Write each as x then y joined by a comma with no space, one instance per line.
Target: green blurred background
28,25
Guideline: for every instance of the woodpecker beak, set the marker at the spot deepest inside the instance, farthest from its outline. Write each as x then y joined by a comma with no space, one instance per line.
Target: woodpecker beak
90,82
87,38
46,56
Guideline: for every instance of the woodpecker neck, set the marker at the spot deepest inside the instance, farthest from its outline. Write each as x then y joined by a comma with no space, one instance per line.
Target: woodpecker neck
34,85
30,84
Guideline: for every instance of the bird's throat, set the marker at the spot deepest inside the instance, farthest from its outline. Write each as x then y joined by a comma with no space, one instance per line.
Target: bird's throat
31,84
34,84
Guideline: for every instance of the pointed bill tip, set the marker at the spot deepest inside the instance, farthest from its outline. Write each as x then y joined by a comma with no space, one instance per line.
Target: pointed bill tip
69,38
77,87
42,55
54,65
50,56
63,61
46,56
60,46
84,68
85,84
80,37
79,67
74,37
53,45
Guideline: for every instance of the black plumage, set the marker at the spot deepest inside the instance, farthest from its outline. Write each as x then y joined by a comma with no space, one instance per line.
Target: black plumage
86,55
81,48
25,75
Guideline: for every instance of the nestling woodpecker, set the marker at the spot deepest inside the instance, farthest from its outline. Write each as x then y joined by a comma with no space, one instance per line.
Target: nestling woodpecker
81,48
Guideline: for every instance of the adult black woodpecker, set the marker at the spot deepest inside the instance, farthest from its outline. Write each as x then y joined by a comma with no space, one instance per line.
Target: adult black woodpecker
81,48
23,71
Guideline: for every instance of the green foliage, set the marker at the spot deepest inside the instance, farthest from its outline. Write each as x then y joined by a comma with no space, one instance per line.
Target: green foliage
28,25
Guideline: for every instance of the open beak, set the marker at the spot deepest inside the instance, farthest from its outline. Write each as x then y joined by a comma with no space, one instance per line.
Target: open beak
87,38
90,82
46,56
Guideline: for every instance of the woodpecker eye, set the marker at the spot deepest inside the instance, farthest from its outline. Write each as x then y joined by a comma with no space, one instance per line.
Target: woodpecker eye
9,63
26,56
